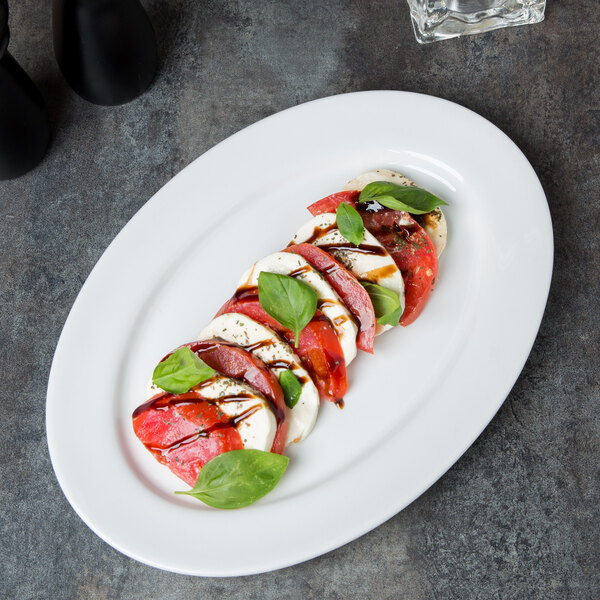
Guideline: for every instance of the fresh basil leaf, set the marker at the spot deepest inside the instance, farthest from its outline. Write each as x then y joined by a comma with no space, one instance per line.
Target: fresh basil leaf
386,304
238,478
291,387
398,197
290,302
350,223
180,372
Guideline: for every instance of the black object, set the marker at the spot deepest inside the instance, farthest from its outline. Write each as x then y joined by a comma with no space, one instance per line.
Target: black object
106,49
24,124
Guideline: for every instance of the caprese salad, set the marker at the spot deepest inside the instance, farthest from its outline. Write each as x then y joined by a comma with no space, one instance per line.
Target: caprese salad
222,409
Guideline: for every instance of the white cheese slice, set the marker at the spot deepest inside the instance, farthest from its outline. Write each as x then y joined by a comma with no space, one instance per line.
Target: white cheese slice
358,183
330,304
264,343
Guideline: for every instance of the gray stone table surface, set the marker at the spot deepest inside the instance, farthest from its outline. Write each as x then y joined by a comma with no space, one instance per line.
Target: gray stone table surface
518,516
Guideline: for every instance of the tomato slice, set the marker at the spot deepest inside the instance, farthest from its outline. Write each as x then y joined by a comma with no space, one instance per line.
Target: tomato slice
319,348
348,288
404,239
330,203
184,432
233,361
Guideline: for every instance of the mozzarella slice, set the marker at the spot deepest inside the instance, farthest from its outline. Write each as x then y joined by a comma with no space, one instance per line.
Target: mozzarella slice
330,304
369,262
278,356
254,418
358,183
433,222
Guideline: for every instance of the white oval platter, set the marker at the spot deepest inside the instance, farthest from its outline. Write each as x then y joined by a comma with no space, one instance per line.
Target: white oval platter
411,410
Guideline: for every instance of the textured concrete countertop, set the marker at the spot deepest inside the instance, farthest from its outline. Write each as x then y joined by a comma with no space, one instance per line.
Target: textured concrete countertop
519,515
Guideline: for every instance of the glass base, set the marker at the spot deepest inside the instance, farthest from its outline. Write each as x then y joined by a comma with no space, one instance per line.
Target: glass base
435,20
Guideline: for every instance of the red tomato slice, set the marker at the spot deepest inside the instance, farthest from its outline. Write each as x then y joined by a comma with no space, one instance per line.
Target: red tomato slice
184,432
233,361
351,292
329,204
318,345
405,240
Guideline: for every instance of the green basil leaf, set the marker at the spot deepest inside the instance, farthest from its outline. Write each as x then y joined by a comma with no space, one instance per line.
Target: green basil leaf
291,387
290,302
238,478
350,223
180,372
386,303
399,197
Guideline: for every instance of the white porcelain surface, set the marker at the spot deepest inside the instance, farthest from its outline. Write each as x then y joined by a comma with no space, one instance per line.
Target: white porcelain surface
411,410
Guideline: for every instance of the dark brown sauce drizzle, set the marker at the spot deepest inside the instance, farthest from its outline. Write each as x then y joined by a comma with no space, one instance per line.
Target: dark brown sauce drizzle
363,248
381,272
235,421
300,271
319,232
202,344
287,364
247,292
279,364
339,320
188,439
325,303
204,383
257,345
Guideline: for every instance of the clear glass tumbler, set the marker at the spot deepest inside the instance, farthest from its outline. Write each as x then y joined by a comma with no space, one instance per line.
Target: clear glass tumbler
442,19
